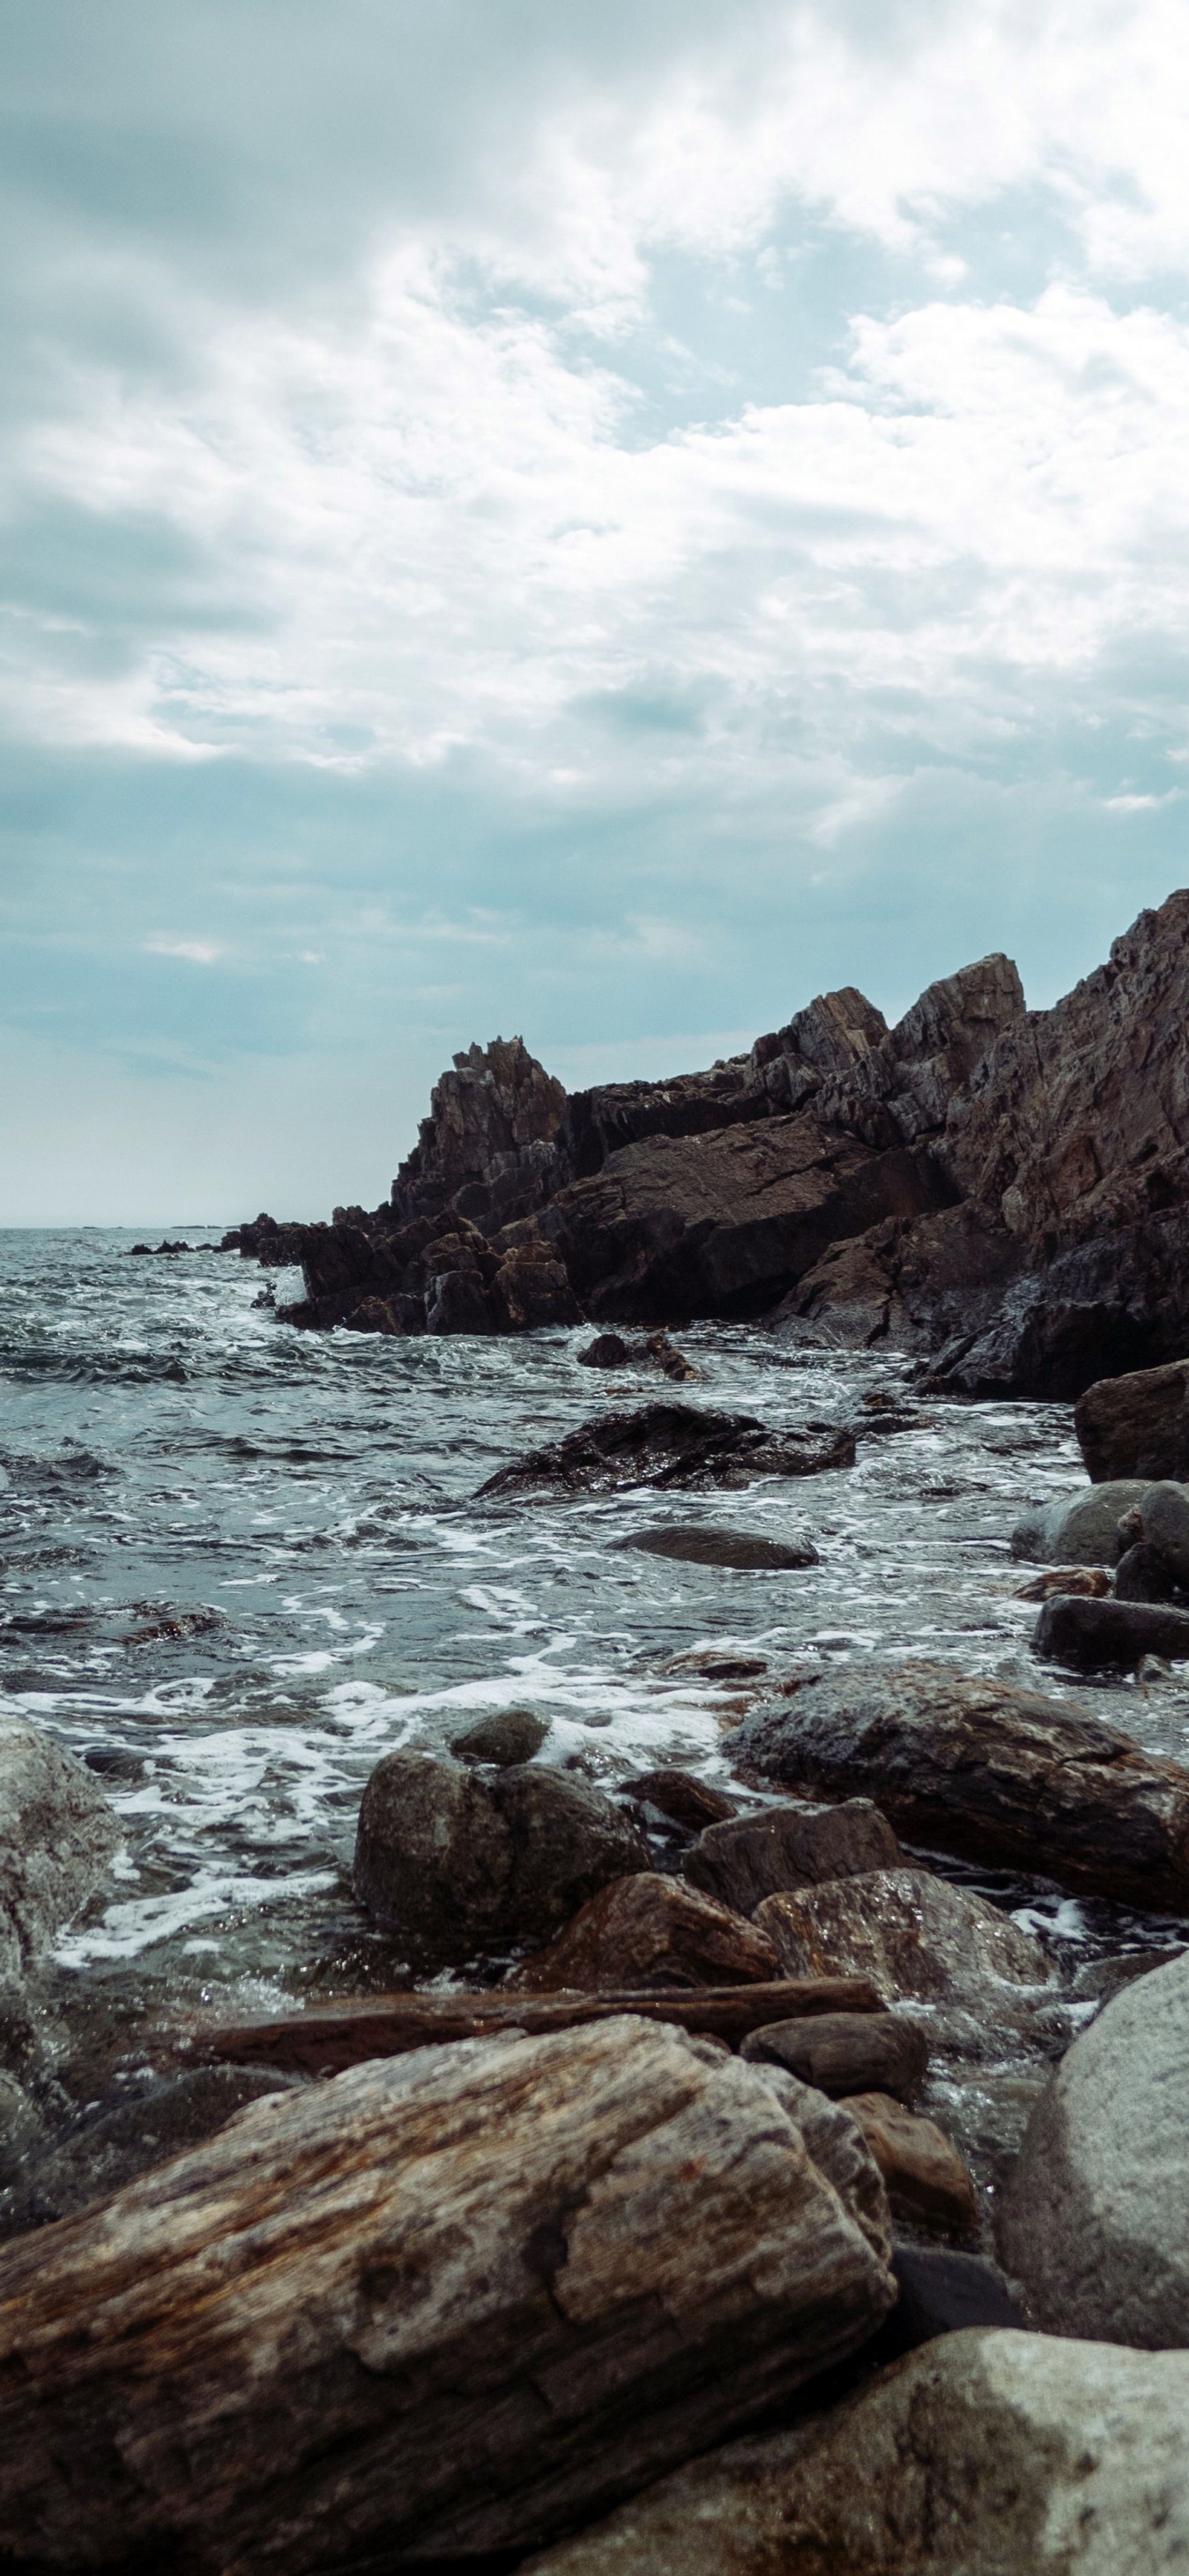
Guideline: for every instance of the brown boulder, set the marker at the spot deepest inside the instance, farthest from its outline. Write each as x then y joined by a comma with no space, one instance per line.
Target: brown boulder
924,2176
911,1934
751,1857
1136,1425
687,1801
844,2053
648,1930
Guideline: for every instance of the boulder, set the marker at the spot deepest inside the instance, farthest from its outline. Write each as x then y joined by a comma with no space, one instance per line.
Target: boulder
751,1857
911,1934
986,1770
457,1863
942,2293
747,1552
648,1930
58,1837
1164,1519
650,1350
1137,1425
670,1445
845,2053
688,1801
986,2454
509,1736
1094,1635
442,2305
924,2177
1143,1573
1082,1532
1096,2218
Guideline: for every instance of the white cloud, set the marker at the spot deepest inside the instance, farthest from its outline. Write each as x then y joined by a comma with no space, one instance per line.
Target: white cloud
197,952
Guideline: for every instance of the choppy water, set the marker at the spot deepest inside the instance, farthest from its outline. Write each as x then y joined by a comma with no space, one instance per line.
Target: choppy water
238,1564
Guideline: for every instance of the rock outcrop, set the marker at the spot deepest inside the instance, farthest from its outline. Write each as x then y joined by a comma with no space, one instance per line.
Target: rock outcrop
446,2304
669,1446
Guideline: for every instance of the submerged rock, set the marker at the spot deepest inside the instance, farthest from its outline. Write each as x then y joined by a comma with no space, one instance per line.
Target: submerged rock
1082,1532
450,2303
510,1736
648,1930
751,1857
670,1445
746,1551
103,2153
652,1350
688,1801
1096,2217
985,1770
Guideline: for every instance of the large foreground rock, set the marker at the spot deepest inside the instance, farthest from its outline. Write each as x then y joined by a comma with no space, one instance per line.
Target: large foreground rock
1096,2220
987,1771
452,2302
987,2454
458,1861
1136,1425
57,1839
669,1446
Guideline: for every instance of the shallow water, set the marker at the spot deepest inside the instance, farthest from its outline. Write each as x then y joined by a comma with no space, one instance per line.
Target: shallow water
238,1564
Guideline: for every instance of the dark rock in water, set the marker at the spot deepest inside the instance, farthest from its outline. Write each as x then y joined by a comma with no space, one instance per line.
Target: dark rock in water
1136,1425
943,2294
648,1930
670,1445
986,1770
1094,1635
913,1935
687,1801
107,2152
748,1553
1143,1573
1099,1979
654,1350
751,1857
456,1863
1082,1532
514,1735
846,2052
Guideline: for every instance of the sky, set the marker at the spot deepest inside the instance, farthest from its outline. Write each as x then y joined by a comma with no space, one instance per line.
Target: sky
597,522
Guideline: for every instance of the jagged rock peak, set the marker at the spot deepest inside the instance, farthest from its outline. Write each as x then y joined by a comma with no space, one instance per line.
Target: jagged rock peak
486,1115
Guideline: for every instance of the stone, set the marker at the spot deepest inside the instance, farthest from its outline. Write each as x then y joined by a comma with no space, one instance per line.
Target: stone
1082,1532
942,2294
1098,1979
987,1771
846,2053
924,2175
1164,1519
458,1863
746,1551
669,1445
1094,1635
989,2453
1143,1573
751,1857
511,1735
525,1296
1094,2222
456,1302
448,2304
1136,1425
648,1930
58,1837
653,1350
104,2152
688,1801
1091,1581
912,1935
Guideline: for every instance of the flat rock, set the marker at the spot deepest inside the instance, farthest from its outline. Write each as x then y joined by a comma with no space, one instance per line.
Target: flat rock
457,1862
1093,1635
58,1837
670,1446
844,2053
986,1770
648,1930
926,2181
446,2304
986,2454
1137,1425
746,1550
1096,2218
750,1857
1082,1532
913,1935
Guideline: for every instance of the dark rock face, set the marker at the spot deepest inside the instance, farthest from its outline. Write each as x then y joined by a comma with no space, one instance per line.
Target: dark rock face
1095,1635
669,1445
988,1772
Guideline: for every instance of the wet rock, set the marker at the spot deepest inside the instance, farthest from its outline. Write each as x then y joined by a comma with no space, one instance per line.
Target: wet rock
525,1295
1143,1573
512,1735
751,1857
457,1863
1092,1582
1164,1519
846,2053
1094,2220
648,1930
747,1552
450,2303
1095,1635
456,1302
925,2179
1098,1979
1083,1532
1137,1425
652,1350
58,1837
106,2152
689,1802
987,2454
911,1934
674,1445
985,1770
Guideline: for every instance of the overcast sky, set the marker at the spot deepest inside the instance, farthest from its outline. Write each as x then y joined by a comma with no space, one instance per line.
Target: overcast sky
590,520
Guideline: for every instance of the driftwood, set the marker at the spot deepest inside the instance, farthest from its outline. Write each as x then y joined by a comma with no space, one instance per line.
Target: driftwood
451,2304
330,2037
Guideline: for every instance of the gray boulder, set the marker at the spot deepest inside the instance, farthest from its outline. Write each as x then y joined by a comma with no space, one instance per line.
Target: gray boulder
57,1839
1096,2217
458,1862
751,1857
101,2154
985,2454
1082,1532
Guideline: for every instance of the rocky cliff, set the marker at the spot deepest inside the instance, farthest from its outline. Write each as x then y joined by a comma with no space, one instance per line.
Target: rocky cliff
1002,1189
